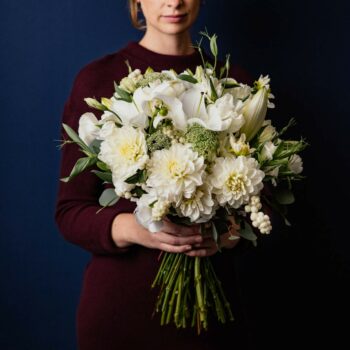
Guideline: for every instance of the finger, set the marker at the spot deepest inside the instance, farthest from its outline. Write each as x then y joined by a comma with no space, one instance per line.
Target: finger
202,252
180,230
208,242
174,249
177,240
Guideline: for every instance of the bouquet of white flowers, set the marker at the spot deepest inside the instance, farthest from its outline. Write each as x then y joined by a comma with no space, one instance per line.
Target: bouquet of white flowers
194,147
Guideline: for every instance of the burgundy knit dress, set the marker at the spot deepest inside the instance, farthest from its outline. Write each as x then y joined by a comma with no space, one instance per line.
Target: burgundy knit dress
116,302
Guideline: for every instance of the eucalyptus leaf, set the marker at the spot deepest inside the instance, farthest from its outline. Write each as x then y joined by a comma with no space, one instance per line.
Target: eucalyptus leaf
284,196
188,78
81,165
247,232
108,197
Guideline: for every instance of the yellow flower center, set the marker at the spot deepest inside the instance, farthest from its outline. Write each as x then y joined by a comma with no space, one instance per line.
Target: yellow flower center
130,151
235,183
174,169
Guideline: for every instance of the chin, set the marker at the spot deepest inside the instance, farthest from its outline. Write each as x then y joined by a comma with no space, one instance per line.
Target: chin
174,29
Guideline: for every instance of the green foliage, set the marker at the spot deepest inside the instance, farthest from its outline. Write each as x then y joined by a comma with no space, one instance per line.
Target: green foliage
139,177
81,165
108,197
188,78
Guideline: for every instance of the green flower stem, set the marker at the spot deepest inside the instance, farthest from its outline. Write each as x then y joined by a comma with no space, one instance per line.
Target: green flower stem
223,296
217,302
179,310
178,299
199,291
172,300
160,271
169,284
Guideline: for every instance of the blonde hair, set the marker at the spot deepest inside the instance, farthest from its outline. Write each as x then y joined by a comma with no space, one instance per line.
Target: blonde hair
134,10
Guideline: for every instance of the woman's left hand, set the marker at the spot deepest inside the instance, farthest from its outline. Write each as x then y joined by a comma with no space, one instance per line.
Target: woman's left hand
209,247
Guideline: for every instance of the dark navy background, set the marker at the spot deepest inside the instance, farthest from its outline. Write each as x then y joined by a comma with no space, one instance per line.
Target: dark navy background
296,279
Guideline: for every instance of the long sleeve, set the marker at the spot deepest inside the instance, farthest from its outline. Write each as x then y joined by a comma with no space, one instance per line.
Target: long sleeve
77,200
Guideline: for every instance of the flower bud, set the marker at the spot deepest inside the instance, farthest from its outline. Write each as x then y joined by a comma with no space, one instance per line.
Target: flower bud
254,113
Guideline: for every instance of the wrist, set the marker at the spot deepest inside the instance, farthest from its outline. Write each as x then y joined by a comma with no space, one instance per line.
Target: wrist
120,230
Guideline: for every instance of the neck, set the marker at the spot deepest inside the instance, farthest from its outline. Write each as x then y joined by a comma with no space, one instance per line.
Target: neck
177,44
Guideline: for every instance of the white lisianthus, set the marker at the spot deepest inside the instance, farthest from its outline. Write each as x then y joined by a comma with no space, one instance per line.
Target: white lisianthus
124,150
175,172
143,212
268,151
268,133
88,129
107,129
200,207
235,180
295,164
129,83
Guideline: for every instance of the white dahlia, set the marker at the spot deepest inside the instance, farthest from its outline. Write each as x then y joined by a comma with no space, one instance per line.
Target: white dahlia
175,172
144,213
124,150
200,207
235,180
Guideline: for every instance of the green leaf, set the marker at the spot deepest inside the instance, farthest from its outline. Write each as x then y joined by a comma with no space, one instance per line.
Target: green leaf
108,197
230,85
247,232
214,95
81,165
105,176
284,196
188,78
75,137
138,191
139,177
122,94
102,166
95,146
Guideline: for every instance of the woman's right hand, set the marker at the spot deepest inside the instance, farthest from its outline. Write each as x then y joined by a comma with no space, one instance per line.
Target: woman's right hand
172,238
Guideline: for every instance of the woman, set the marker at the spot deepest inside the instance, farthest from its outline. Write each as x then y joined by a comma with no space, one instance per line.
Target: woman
116,302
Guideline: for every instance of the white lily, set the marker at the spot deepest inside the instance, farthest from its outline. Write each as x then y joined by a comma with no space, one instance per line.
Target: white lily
165,96
219,116
254,113
129,113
